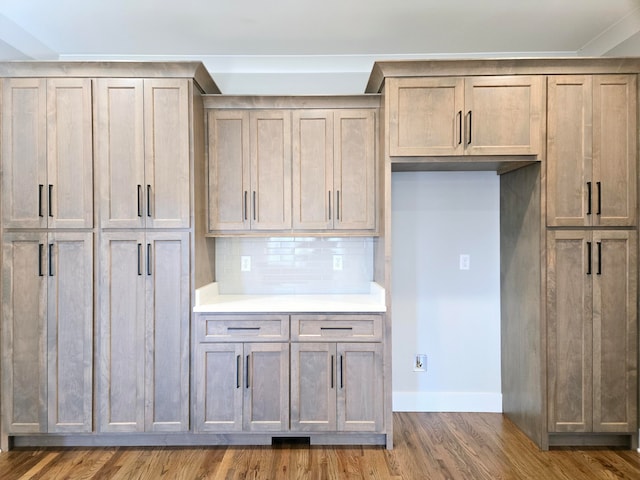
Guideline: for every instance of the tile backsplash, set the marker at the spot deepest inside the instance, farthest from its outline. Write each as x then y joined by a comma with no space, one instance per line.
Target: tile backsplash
294,265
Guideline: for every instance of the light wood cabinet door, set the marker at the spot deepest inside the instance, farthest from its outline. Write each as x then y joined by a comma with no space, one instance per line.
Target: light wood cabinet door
266,388
359,396
167,155
168,313
313,387
69,195
615,150
592,331
24,342
120,152
143,151
219,387
504,115
229,170
426,116
591,150
121,324
270,194
313,157
70,332
615,331
569,151
570,331
354,172
24,153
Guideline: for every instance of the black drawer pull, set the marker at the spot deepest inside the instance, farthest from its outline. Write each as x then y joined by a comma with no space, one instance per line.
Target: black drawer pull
243,329
337,328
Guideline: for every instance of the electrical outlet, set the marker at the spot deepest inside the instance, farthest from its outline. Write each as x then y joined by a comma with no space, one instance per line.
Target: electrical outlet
465,261
245,263
420,363
337,262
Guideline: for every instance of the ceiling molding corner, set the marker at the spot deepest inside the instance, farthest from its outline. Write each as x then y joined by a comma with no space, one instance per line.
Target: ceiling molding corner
612,36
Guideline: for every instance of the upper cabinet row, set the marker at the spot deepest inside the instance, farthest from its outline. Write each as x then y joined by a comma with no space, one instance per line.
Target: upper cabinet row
142,152
276,170
455,116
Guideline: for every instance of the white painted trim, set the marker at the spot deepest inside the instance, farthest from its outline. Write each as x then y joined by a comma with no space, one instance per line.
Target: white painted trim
613,36
447,402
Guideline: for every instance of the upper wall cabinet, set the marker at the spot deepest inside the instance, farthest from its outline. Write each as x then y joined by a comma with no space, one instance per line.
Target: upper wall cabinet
47,155
142,138
453,116
334,169
591,150
249,170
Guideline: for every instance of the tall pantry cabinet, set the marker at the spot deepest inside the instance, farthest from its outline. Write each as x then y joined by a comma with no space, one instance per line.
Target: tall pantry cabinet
100,169
47,268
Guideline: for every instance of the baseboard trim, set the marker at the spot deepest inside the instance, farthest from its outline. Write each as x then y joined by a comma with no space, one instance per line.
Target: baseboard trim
447,402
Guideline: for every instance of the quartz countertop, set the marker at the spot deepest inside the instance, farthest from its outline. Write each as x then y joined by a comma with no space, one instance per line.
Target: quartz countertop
208,300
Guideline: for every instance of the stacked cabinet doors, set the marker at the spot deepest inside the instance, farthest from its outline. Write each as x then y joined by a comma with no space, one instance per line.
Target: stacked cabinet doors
144,162
47,269
592,266
336,373
242,373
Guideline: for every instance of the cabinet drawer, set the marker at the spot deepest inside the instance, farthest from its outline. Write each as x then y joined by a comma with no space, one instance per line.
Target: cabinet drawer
243,328
336,328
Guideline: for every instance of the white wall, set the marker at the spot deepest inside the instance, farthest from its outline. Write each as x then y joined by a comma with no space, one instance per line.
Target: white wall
452,315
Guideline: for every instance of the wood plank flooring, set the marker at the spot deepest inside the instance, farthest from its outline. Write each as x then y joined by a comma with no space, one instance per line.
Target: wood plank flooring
473,446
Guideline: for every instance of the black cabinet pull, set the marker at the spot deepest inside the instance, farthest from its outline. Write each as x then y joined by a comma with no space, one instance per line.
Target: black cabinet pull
139,259
588,198
337,204
341,372
599,187
332,372
329,204
51,272
247,383
40,255
459,127
238,371
140,200
244,205
254,205
588,258
40,188
469,125
50,197
148,259
599,272
148,200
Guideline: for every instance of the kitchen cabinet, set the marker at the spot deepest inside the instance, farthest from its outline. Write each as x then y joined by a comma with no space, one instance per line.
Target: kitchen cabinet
249,170
143,152
592,331
47,325
592,150
47,156
241,373
242,387
336,373
334,179
144,315
455,116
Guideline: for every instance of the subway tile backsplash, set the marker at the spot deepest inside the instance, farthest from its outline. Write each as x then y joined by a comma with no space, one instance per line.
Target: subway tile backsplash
294,265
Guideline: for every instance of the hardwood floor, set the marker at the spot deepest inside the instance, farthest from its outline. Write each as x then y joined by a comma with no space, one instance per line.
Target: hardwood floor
430,446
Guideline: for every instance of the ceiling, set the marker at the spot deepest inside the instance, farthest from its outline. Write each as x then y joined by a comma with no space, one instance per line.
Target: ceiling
244,43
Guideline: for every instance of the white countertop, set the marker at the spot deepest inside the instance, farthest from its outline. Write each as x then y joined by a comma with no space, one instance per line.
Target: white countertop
208,300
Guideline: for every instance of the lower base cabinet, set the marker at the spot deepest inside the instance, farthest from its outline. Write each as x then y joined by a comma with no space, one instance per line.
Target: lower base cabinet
242,387
336,387
245,386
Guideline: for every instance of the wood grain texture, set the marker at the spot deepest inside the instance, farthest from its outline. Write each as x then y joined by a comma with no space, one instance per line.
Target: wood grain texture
428,446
